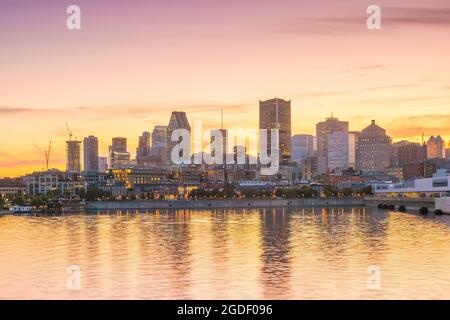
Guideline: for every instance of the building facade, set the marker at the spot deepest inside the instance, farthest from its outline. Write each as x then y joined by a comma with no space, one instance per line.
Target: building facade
178,120
340,151
435,148
90,154
73,156
323,129
276,114
143,150
374,149
302,147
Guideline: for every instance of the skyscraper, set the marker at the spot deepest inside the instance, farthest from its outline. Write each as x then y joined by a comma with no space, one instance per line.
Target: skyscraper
159,137
302,147
276,114
73,154
159,144
323,129
435,148
341,151
374,149
178,120
143,149
119,144
90,154
118,154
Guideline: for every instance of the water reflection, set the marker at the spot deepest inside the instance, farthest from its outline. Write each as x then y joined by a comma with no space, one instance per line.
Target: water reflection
217,254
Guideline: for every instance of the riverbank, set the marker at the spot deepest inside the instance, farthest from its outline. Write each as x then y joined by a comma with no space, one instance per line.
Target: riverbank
223,204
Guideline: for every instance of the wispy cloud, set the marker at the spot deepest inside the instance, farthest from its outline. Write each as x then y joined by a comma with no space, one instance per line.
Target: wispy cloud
392,16
409,126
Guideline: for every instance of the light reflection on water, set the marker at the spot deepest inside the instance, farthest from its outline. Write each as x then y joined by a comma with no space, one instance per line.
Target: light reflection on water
231,254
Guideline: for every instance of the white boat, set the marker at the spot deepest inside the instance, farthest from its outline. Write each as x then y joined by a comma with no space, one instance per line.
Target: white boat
21,209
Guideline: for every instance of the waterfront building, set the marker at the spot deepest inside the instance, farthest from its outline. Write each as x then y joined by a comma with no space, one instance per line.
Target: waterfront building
73,156
340,151
424,169
143,150
11,188
438,185
276,114
323,129
138,176
178,120
55,181
302,147
90,154
94,179
374,149
435,148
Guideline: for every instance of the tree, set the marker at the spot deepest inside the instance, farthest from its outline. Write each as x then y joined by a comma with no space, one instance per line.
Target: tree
2,202
38,201
18,201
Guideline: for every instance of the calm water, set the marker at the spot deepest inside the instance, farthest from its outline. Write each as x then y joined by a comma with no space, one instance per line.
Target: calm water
248,254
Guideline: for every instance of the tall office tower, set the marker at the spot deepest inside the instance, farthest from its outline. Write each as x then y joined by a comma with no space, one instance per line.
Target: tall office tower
276,114
447,151
118,154
178,120
435,148
159,144
323,129
302,148
102,164
119,144
374,149
341,151
143,149
73,154
159,136
90,154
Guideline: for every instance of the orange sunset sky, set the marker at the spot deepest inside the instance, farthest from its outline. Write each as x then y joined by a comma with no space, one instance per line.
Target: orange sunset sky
133,62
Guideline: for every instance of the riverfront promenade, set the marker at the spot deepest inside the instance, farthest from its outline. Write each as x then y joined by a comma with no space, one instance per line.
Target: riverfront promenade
223,204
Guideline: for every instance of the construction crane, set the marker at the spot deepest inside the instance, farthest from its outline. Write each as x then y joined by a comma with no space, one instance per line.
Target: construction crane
69,131
47,155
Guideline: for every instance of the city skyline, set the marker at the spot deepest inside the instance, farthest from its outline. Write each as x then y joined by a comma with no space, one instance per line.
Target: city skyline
106,150
125,78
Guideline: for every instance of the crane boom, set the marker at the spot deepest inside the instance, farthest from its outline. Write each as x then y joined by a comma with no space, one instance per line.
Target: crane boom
47,155
69,131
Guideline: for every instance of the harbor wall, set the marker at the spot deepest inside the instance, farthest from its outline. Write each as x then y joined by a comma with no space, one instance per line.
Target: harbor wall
222,204
410,204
